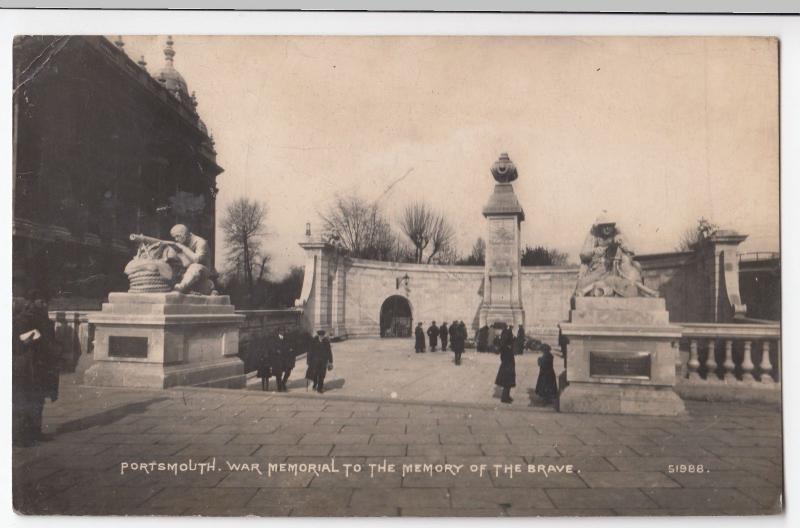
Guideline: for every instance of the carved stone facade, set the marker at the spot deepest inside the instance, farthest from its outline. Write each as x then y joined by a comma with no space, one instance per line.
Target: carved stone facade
101,149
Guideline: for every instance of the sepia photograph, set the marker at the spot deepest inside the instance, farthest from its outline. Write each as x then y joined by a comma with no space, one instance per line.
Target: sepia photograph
416,276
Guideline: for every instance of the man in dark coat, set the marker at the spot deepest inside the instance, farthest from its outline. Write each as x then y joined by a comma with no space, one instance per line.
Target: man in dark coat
506,374
483,339
453,332
443,336
459,340
294,347
35,367
322,361
546,386
433,334
519,342
419,339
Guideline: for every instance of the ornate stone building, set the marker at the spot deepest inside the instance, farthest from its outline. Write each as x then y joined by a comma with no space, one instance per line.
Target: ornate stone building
102,149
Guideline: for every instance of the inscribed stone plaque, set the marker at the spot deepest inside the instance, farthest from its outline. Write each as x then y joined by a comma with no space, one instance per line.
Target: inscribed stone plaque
620,364
127,347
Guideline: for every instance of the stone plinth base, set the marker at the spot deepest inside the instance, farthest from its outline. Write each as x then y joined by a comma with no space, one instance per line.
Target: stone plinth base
166,339
620,399
621,355
514,316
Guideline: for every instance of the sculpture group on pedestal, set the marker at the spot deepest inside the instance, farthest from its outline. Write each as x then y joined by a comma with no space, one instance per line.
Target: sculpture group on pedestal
182,264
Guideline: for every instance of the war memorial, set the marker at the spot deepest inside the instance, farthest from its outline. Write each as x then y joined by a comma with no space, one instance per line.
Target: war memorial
668,392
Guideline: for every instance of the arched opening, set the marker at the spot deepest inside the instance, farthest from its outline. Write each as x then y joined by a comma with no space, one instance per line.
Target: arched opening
396,317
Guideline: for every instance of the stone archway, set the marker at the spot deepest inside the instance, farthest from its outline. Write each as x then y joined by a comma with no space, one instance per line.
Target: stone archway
395,317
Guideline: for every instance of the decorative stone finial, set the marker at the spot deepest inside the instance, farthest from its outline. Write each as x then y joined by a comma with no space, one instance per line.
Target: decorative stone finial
504,170
141,62
169,53
118,43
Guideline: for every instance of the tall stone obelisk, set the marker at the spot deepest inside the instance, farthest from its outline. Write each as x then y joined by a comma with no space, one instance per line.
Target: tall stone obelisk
502,292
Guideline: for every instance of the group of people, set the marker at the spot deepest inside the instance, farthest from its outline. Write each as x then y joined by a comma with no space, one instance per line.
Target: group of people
546,387
277,356
35,367
456,334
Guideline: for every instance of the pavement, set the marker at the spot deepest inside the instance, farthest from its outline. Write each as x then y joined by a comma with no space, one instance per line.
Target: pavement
442,446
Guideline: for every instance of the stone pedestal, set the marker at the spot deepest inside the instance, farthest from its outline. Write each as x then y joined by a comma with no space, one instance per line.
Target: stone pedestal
166,339
620,357
502,291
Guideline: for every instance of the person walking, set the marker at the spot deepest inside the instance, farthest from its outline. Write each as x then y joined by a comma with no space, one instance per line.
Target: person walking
453,332
311,360
506,374
419,339
323,362
35,367
294,347
443,335
433,334
546,387
459,340
483,339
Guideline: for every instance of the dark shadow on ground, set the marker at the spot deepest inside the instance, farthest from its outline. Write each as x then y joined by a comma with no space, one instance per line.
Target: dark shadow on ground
106,417
537,401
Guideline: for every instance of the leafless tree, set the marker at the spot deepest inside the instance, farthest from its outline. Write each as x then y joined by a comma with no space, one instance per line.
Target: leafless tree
426,228
243,225
477,256
361,227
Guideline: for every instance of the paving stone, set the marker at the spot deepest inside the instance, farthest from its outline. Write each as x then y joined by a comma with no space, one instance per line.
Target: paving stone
448,512
771,498
495,498
207,438
197,450
202,499
373,429
600,498
721,479
538,480
681,451
537,439
627,479
519,450
762,452
586,463
271,451
326,438
702,501
308,501
369,450
405,439
252,480
479,438
274,438
372,497
444,451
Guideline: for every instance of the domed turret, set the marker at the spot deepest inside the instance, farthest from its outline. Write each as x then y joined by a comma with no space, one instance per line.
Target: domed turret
169,76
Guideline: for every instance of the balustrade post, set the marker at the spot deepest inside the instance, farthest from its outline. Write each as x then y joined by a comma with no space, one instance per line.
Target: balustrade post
711,361
766,365
694,363
747,362
729,364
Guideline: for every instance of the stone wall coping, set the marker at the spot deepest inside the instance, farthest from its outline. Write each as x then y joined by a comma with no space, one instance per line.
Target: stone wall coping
634,331
716,330
164,320
271,311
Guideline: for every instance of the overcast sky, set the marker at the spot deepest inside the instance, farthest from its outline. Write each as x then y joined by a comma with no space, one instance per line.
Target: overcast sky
658,131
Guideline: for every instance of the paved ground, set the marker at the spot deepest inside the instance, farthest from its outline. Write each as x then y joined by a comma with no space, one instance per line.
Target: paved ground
620,464
389,369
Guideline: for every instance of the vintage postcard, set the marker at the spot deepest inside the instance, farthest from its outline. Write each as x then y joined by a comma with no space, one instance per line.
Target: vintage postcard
426,276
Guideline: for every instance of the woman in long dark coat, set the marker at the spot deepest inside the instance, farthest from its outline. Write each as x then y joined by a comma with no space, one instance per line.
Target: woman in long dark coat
507,373
419,339
546,386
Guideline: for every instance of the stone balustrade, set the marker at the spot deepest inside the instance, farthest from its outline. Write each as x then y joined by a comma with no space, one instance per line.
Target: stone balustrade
734,354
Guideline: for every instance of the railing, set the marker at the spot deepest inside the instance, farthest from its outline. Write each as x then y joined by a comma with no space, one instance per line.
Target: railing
753,256
736,354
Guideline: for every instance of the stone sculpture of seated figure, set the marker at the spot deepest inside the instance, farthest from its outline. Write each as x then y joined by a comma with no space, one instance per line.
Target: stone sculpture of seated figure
607,265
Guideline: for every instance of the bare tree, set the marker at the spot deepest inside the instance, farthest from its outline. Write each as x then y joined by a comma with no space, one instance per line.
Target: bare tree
696,234
361,228
243,225
477,256
425,228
